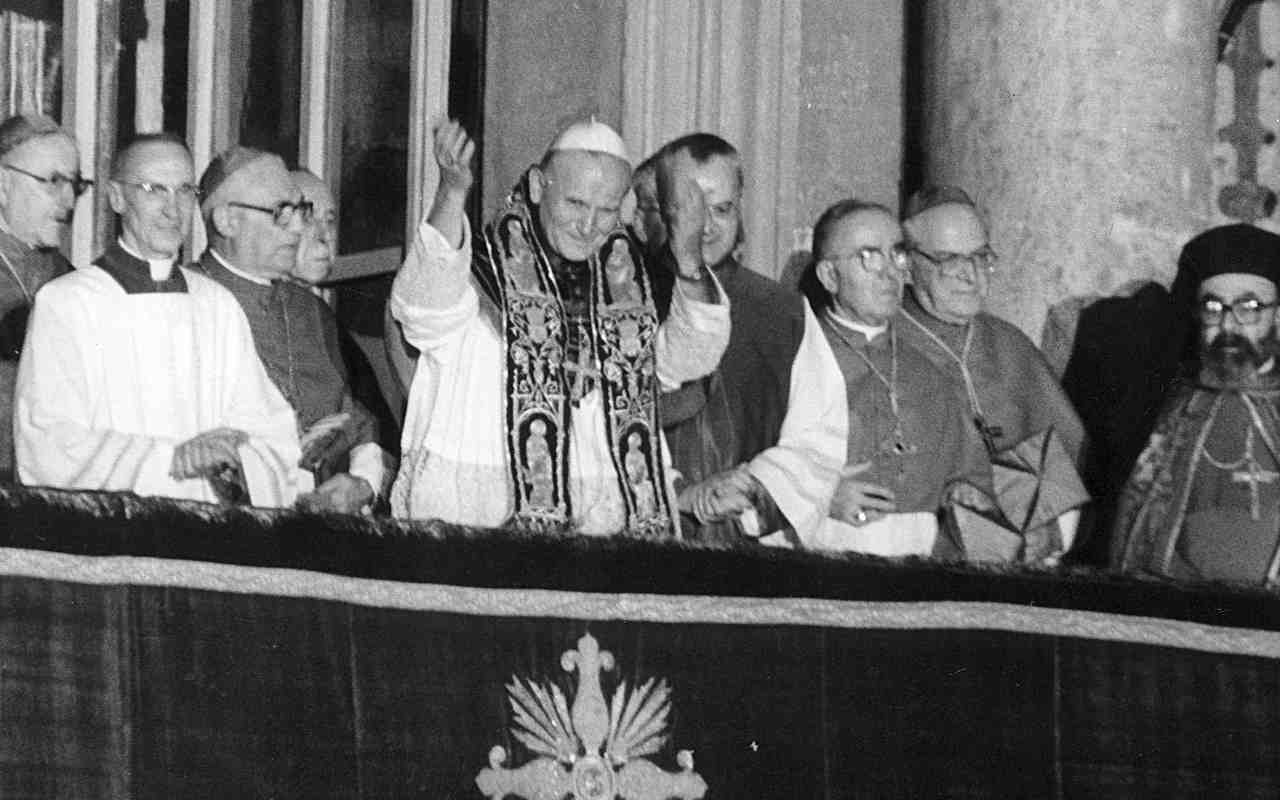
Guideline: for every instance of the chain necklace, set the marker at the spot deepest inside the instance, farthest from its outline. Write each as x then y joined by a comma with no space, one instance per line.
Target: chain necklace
16,277
1253,472
989,432
1227,466
288,344
897,445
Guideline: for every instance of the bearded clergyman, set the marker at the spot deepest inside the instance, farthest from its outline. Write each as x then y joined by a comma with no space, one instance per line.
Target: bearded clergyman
534,399
1203,502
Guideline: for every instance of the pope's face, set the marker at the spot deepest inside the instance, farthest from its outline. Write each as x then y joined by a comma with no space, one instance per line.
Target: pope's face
155,198
38,212
858,270
579,197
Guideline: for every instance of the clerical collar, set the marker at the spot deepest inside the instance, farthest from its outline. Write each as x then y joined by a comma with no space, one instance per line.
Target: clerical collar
237,272
160,268
133,275
869,331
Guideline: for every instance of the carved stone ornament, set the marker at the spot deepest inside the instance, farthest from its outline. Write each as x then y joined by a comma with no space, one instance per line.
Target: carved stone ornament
592,751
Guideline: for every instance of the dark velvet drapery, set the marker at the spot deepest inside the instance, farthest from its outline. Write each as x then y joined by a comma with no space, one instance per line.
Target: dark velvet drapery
154,650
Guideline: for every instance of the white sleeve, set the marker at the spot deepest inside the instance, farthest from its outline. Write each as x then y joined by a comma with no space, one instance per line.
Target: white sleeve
371,462
802,470
54,440
433,295
256,407
693,337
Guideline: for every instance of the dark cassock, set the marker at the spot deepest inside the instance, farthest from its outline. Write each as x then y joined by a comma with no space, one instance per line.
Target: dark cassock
1203,501
773,403
125,360
534,399
912,429
1011,396
23,270
296,336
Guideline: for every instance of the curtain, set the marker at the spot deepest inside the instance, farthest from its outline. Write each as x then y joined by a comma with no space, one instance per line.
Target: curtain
31,63
729,67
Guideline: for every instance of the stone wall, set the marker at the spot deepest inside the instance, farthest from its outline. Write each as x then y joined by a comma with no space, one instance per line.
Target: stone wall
548,62
850,141
1083,127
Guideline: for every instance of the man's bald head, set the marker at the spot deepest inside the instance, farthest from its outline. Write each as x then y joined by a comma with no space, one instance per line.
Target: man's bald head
152,189
319,246
127,158
951,260
37,210
254,212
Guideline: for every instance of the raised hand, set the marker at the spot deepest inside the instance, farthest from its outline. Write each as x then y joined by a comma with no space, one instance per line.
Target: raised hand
453,151
207,452
684,210
858,502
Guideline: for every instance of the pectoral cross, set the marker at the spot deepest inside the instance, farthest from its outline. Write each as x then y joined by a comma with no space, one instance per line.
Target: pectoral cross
897,445
1253,476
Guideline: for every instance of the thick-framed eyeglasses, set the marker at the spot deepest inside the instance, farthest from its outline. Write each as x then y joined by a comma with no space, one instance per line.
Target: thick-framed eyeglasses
57,181
282,215
876,260
1247,311
183,192
953,265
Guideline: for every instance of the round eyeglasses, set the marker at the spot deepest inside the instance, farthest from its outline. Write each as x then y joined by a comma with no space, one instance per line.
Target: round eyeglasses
876,260
955,265
1247,311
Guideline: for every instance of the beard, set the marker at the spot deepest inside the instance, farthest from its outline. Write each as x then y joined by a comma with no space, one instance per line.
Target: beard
1233,358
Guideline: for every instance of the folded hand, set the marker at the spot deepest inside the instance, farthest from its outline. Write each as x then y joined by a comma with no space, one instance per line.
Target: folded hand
207,453
343,493
858,502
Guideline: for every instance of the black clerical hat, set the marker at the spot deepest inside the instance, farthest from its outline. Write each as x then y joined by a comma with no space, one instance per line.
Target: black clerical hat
1230,248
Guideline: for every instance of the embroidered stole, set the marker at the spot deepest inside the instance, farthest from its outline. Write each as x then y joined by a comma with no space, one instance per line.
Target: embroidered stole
558,349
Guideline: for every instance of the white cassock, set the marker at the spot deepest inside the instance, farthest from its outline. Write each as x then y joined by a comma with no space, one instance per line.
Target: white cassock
801,472
454,463
110,383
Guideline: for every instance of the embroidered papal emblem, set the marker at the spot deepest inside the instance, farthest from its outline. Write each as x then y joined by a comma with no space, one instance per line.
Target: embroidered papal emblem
591,750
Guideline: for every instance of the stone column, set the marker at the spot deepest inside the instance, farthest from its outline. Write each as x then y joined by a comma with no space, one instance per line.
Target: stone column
1083,128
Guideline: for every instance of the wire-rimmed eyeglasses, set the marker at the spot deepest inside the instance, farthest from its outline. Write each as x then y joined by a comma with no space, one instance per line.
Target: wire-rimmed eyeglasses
57,181
875,260
183,192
